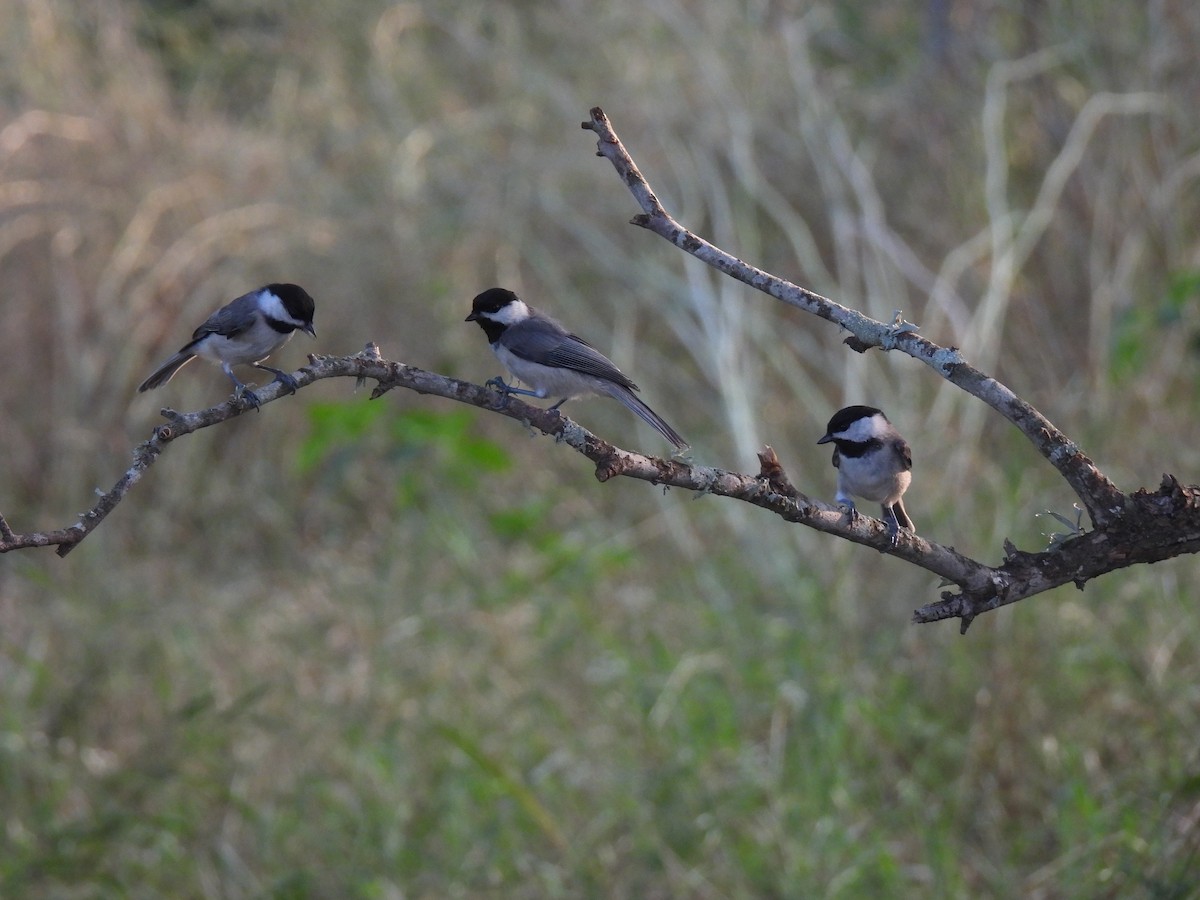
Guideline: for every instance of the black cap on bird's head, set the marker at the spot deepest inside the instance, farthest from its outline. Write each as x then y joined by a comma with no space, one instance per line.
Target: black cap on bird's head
297,303
844,418
490,301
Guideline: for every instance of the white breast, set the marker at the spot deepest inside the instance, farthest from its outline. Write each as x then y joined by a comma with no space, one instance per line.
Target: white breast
865,477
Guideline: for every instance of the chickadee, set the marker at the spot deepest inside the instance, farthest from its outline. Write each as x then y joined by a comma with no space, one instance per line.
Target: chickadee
244,332
873,462
554,362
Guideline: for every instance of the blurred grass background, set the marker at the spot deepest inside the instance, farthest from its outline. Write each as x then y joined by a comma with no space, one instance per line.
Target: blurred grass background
400,649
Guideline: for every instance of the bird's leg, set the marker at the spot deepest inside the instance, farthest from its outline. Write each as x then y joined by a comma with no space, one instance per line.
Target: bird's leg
240,390
893,525
506,389
290,384
848,504
560,403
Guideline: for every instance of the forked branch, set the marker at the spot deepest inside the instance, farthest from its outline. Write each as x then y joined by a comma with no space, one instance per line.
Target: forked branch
1100,497
1122,524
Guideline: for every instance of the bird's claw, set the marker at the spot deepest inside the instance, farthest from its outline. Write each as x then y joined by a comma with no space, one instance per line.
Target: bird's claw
853,515
246,396
502,388
290,384
893,527
893,533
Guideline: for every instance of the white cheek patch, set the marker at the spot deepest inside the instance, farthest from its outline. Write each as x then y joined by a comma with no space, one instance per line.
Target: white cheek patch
272,307
510,313
863,429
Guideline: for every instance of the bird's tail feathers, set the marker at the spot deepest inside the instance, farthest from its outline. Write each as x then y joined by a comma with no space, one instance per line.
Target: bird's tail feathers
902,518
646,414
166,371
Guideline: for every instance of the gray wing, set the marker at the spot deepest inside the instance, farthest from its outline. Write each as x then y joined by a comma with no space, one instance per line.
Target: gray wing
546,342
904,452
231,319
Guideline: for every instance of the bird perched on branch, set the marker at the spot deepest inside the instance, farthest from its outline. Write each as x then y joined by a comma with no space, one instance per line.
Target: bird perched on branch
554,362
245,332
873,462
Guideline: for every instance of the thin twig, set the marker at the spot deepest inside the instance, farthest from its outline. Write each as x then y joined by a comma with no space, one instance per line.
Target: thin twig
1102,499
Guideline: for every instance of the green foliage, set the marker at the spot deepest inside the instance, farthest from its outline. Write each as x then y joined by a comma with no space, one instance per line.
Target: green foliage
433,450
1142,329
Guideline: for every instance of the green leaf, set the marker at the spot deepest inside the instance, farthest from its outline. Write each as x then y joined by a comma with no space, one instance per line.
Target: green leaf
333,426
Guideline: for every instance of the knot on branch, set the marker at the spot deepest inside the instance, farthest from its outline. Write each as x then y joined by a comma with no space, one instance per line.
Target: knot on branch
1171,496
771,471
610,466
857,344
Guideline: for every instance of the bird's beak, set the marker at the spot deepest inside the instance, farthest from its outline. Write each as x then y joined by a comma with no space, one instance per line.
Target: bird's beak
825,440
471,318
309,330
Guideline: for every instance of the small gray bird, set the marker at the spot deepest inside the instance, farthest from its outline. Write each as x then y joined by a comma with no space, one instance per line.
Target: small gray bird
244,332
873,462
555,363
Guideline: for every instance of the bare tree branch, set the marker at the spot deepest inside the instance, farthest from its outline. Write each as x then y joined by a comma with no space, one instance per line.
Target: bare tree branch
1153,527
770,489
1099,496
1128,529
1142,527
